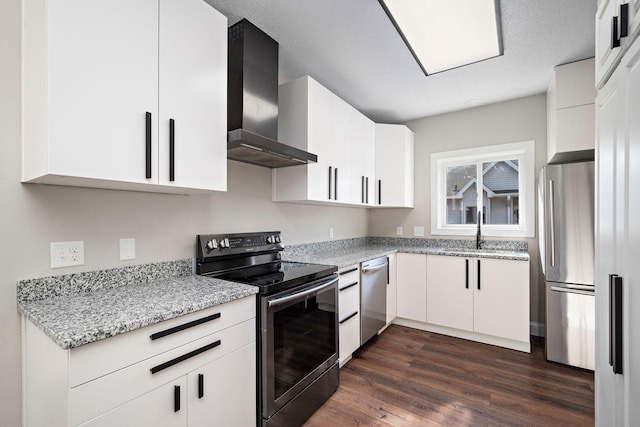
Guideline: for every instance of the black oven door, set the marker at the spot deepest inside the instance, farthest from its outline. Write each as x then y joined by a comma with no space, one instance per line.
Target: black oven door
299,330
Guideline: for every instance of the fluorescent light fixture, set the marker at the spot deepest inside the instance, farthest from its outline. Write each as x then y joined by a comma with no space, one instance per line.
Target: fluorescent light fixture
445,34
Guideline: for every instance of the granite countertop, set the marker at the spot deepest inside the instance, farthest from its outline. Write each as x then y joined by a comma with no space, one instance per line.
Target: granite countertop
72,318
376,247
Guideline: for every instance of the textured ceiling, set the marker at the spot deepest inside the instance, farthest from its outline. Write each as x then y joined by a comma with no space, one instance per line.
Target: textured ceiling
352,48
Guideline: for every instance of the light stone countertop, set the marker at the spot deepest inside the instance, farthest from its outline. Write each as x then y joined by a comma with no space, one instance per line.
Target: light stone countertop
346,256
75,318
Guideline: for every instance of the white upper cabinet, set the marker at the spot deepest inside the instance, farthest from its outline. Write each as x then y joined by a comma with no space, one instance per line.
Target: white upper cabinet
394,166
102,81
571,111
193,88
362,158
312,118
617,25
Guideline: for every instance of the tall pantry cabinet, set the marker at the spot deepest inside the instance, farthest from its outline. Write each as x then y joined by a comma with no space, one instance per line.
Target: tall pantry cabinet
127,95
617,373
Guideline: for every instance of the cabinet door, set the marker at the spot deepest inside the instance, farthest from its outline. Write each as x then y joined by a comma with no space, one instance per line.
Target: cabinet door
501,298
394,166
362,160
223,392
345,132
606,55
631,244
165,406
392,289
609,392
349,334
193,93
103,78
320,179
412,287
450,283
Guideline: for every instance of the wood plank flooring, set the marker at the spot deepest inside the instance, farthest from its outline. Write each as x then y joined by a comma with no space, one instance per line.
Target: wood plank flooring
407,377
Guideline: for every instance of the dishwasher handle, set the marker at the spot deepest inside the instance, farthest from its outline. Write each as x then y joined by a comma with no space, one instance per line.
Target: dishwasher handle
376,268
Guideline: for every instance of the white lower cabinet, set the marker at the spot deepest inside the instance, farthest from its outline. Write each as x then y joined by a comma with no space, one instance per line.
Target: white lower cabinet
164,406
480,295
349,316
392,289
450,292
196,374
412,287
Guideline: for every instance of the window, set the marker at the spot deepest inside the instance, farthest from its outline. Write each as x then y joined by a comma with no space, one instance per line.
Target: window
495,182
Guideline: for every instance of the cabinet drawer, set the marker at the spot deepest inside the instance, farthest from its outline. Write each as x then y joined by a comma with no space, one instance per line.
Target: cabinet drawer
349,296
102,357
349,275
349,334
96,397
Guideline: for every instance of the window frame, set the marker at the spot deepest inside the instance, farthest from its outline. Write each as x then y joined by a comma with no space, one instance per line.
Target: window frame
523,151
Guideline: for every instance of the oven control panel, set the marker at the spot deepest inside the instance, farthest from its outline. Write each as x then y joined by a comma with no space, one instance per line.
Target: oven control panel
211,245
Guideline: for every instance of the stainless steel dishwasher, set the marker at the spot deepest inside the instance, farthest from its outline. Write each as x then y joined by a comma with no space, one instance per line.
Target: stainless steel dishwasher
373,297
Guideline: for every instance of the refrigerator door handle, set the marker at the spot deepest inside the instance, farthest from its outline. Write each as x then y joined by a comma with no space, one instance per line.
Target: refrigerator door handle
552,226
571,291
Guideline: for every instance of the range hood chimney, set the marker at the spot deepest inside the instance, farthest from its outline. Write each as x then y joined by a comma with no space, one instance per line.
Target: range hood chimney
252,101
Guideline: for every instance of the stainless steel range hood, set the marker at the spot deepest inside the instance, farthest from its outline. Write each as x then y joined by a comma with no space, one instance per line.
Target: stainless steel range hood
252,101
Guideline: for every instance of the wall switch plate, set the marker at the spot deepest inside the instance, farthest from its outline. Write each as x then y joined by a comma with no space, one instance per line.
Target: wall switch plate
331,232
127,249
67,254
418,231
399,230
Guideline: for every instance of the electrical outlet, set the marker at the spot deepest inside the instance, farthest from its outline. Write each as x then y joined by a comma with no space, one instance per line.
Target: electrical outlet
418,231
127,249
399,230
331,232
67,254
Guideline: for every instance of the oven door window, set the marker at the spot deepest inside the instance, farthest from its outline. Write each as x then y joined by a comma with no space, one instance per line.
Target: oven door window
302,342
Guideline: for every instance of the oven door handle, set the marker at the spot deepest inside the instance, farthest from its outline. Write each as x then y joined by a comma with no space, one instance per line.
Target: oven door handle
315,289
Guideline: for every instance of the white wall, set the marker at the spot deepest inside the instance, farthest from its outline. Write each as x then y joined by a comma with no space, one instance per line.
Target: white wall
164,226
512,121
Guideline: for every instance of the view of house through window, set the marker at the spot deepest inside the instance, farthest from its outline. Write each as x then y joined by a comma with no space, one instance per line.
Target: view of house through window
499,181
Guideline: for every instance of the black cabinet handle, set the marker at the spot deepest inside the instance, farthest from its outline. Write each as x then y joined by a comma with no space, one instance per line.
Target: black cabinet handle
172,150
466,261
184,326
379,191
176,398
362,189
350,316
350,285
478,274
624,20
148,146
615,323
367,190
335,184
200,386
615,35
351,270
184,357
330,174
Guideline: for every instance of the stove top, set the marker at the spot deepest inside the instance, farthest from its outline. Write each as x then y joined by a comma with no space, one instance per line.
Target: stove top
278,276
254,259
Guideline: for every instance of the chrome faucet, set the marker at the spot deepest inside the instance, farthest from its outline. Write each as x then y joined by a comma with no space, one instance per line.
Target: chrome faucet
479,232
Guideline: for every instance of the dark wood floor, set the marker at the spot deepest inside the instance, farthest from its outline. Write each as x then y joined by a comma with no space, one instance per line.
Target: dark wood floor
407,377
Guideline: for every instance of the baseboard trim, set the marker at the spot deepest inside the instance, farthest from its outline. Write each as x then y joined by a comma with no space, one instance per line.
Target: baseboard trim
537,329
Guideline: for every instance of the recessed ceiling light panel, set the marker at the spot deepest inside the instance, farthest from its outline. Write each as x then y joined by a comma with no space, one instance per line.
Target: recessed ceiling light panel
443,34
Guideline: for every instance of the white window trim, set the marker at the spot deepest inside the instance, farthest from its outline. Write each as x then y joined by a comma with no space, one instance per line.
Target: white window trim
523,151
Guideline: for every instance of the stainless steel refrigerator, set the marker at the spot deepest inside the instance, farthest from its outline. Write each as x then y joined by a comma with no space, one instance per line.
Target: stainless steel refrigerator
566,223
